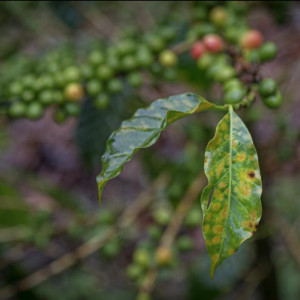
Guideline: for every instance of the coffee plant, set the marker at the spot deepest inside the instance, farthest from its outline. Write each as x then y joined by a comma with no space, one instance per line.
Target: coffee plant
227,54
231,201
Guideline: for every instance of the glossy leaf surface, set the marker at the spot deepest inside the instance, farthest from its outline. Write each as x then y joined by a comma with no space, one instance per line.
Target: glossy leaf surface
143,130
231,200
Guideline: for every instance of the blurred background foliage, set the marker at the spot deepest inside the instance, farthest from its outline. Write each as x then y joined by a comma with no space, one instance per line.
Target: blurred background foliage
57,242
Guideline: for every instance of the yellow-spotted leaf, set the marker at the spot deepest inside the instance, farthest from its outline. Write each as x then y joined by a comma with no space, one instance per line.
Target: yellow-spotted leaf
231,200
144,129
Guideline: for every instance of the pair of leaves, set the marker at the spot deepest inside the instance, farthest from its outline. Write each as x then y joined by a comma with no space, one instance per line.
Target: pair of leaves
231,201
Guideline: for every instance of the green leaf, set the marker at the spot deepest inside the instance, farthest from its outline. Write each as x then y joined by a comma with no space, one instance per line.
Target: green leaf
231,200
143,130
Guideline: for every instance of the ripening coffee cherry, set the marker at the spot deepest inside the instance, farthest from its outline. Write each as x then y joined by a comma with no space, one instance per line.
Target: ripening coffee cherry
197,50
34,111
142,257
213,43
251,39
273,101
17,109
163,256
267,87
167,58
267,51
101,101
234,95
74,91
218,16
94,87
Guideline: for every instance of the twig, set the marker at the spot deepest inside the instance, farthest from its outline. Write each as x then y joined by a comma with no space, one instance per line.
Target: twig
94,244
171,231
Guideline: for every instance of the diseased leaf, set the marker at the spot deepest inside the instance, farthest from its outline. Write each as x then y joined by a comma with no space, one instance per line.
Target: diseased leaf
143,130
231,200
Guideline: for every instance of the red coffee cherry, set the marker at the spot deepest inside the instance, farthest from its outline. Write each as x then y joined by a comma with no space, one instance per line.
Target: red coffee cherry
251,39
197,50
213,43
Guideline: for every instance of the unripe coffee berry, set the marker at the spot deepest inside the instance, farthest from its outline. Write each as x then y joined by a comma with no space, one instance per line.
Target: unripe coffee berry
267,87
267,51
273,101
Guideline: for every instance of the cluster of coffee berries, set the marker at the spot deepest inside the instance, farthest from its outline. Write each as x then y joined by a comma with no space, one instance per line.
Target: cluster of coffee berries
229,52
63,83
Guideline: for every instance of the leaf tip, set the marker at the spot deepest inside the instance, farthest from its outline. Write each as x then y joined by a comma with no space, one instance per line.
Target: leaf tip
100,183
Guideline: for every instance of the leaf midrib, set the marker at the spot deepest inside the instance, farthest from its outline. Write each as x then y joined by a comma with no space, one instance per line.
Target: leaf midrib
230,178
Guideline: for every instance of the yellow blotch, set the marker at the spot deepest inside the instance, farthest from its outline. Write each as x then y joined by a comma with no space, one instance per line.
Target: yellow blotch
206,227
216,240
218,229
259,190
208,217
219,220
240,157
253,215
251,157
245,190
223,126
231,251
233,143
222,184
224,212
218,195
220,168
216,206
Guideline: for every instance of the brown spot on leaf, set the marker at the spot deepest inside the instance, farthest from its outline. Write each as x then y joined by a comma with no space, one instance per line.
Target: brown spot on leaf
251,174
